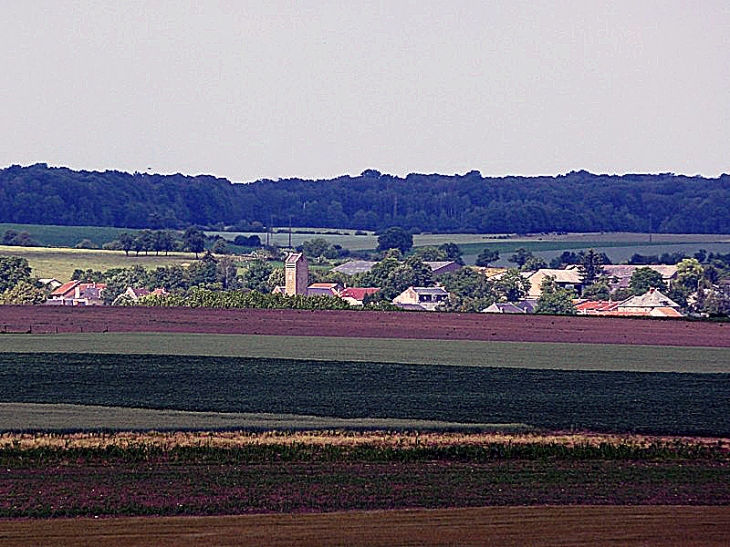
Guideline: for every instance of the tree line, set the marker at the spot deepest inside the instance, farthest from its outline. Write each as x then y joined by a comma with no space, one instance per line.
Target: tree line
575,202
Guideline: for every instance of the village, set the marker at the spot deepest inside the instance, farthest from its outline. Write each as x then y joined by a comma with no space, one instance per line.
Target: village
443,285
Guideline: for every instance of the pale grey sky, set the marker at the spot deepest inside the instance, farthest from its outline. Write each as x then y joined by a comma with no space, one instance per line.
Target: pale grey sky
274,89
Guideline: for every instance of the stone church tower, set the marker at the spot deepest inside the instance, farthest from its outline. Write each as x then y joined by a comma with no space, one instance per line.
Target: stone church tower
296,274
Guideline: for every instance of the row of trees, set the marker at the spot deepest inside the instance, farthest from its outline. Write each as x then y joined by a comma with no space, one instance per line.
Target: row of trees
193,239
576,202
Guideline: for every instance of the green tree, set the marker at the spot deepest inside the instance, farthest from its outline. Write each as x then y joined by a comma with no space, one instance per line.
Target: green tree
717,303
554,300
430,254
452,252
276,279
395,238
24,292
319,247
145,241
204,271
520,256
591,266
470,290
126,242
512,286
644,279
227,273
565,259
597,291
118,279
86,244
13,270
256,276
163,240
220,247
689,274
486,257
171,278
194,240
18,239
533,264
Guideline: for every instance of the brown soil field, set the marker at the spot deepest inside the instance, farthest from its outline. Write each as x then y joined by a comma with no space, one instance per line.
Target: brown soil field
446,326
607,526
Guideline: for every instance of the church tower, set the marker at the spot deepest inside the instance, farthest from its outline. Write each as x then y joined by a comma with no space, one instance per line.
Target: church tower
296,274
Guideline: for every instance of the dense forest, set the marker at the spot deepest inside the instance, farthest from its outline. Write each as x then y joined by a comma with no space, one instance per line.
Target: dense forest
575,202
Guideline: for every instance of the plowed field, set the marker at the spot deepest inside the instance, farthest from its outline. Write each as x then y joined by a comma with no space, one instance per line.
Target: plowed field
446,326
513,526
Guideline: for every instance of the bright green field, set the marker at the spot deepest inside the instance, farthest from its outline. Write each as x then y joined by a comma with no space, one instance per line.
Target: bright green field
60,263
586,357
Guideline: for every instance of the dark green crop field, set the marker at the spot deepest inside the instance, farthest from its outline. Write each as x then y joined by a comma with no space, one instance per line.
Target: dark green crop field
619,401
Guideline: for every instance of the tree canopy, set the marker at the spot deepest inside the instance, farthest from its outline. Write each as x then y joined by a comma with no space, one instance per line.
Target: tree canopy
574,202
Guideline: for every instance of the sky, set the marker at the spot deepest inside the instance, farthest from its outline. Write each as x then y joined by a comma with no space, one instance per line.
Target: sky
274,89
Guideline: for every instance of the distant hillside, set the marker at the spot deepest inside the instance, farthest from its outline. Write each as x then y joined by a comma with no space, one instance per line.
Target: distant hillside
576,202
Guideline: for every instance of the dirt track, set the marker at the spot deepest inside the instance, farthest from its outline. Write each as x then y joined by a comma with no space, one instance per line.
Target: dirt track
475,326
535,526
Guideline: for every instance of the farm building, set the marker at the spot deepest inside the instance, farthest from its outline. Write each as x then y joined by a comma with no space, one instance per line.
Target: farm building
133,294
652,303
324,289
522,306
355,296
565,279
619,275
354,267
424,298
76,293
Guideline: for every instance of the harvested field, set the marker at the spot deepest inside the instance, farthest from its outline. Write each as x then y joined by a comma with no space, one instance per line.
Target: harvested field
240,473
508,526
443,326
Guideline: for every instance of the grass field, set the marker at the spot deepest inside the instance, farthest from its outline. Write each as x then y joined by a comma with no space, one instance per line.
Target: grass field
584,357
506,526
657,403
471,244
67,236
60,263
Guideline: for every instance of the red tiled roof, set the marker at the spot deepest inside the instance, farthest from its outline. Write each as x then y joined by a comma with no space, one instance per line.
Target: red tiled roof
358,293
65,288
596,306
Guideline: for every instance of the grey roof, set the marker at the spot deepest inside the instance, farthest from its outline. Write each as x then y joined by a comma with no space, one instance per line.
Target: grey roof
293,257
503,307
429,290
521,306
412,307
438,265
650,299
354,267
627,270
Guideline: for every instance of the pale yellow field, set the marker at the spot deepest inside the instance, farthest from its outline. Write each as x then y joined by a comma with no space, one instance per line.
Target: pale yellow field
60,263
